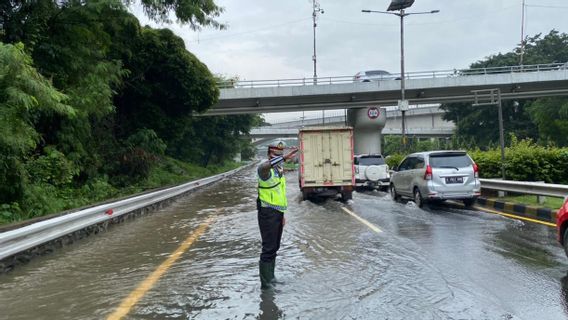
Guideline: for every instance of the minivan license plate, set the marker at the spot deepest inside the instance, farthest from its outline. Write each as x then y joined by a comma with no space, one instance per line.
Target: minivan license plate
454,180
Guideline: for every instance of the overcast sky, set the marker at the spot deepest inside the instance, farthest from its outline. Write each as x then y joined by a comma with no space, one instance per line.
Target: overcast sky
273,39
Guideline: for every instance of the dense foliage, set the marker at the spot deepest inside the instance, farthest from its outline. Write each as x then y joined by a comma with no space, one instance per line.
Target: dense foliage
524,161
93,105
543,120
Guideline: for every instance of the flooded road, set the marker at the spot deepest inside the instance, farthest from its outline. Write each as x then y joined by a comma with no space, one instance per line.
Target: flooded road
437,263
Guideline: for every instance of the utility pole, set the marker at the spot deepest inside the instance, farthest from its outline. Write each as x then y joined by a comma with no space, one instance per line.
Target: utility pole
493,97
523,33
315,12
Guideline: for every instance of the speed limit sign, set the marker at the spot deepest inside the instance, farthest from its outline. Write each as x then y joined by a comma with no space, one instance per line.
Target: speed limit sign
373,113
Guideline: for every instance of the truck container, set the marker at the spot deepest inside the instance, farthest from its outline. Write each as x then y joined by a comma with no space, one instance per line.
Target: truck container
326,162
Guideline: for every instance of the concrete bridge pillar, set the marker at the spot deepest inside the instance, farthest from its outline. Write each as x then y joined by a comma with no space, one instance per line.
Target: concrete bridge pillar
368,124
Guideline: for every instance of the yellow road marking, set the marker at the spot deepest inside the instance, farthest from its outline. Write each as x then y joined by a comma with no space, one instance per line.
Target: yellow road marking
365,222
129,302
516,217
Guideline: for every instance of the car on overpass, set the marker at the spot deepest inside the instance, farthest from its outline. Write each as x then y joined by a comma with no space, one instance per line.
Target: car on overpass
374,75
436,176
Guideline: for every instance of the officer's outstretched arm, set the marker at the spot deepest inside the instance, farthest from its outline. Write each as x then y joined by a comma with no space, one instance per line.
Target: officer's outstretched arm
264,170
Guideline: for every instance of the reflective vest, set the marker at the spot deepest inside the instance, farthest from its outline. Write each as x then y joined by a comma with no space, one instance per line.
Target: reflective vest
272,192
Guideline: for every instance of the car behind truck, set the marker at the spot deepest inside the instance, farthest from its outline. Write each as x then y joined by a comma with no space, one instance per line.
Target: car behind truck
326,162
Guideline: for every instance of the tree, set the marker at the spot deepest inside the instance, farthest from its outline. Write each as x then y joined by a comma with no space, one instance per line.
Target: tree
166,85
24,96
551,117
480,123
196,13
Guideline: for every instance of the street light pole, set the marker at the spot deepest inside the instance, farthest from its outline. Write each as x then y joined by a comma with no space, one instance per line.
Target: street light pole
403,103
402,78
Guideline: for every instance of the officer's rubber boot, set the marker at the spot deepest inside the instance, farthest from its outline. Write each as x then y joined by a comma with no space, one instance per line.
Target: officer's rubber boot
272,267
266,271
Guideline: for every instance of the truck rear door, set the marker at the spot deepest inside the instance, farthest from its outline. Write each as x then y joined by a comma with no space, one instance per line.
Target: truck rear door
340,157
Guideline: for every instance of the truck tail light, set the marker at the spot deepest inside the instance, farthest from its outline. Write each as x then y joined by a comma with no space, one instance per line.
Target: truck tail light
428,173
475,170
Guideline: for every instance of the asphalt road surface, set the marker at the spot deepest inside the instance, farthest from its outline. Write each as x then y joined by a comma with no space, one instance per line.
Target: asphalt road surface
371,258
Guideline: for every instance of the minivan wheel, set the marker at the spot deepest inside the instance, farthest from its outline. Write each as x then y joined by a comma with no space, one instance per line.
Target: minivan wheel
418,198
393,193
468,202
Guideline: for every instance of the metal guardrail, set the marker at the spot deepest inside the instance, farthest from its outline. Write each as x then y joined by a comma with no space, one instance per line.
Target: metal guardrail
19,240
226,84
525,187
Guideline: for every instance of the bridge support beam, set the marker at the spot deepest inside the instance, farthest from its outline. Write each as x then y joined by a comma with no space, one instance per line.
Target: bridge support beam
368,124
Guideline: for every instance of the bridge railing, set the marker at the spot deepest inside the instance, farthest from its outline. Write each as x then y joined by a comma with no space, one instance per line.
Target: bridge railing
18,240
225,84
526,187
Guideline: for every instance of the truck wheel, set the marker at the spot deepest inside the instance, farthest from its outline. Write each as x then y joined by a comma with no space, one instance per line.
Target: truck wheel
347,195
305,195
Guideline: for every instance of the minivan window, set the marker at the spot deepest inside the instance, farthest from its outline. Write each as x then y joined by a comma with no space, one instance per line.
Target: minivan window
419,164
371,161
448,160
404,165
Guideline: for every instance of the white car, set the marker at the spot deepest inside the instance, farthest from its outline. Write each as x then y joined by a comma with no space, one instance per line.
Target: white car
374,75
371,171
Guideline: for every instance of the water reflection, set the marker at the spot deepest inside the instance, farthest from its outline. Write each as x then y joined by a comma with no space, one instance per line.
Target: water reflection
564,292
268,308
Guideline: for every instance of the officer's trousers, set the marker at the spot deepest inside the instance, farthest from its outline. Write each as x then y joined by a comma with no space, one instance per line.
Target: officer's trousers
270,223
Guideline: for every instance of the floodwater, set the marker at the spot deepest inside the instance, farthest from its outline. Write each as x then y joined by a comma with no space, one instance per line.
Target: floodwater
438,263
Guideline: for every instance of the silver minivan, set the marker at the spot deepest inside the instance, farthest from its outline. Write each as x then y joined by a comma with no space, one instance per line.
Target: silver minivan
436,176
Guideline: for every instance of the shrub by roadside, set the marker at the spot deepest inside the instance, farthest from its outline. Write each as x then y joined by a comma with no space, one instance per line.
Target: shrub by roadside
524,161
45,198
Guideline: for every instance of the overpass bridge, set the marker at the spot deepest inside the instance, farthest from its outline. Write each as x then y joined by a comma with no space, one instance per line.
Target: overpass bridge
286,95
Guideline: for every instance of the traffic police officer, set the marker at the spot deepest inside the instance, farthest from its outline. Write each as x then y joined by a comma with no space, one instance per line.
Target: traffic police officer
271,205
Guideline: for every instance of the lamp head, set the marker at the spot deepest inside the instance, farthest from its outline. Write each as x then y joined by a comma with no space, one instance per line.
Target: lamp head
396,5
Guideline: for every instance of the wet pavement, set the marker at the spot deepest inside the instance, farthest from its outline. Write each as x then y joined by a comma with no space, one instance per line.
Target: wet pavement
438,263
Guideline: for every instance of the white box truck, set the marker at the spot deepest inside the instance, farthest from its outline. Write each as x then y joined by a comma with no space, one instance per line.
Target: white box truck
326,162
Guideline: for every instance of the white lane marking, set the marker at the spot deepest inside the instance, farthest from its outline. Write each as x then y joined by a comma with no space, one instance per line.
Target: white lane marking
363,221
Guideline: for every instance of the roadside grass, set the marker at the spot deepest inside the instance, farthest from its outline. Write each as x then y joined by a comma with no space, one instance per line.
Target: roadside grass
531,200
